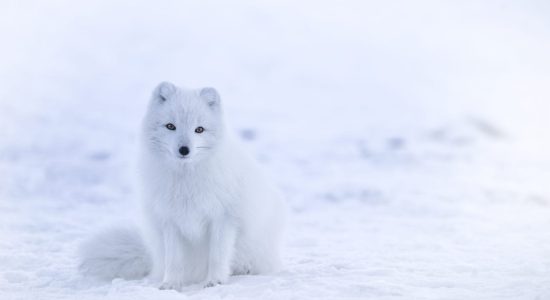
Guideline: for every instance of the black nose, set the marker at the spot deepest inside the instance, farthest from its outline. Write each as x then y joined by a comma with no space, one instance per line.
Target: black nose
184,151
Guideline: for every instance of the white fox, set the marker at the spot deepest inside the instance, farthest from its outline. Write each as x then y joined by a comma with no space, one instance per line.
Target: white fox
207,211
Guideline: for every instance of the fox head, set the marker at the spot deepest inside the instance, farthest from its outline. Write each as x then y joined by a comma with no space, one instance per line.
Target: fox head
183,125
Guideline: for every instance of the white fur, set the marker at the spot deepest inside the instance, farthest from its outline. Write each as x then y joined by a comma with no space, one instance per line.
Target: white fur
115,252
209,214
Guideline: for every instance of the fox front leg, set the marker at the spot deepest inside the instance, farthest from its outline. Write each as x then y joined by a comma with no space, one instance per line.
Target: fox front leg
173,259
221,247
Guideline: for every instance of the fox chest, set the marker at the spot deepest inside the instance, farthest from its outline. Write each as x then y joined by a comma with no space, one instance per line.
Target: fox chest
189,210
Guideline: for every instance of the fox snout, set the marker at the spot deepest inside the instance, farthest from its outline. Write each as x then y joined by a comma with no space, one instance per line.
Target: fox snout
184,150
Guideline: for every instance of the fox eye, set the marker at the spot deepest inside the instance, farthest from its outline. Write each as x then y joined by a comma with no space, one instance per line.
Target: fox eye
199,129
170,126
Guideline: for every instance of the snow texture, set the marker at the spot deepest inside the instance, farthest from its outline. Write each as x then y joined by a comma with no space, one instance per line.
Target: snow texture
409,137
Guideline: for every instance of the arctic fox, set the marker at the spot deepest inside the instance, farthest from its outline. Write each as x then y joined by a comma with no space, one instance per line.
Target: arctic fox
207,211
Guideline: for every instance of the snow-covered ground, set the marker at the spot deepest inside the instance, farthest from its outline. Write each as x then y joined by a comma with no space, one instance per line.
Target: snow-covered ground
411,139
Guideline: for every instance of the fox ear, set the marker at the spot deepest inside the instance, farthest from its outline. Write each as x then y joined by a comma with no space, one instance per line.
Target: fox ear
163,91
211,96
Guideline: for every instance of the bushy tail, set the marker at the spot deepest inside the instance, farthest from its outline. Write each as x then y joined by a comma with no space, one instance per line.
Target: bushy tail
115,253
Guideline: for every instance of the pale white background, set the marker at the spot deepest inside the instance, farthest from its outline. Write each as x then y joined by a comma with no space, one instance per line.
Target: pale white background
411,139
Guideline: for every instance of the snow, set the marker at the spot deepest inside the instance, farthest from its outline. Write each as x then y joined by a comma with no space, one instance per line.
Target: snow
410,138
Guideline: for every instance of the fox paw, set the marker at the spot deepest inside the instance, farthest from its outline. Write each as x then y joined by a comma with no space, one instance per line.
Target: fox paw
171,285
243,270
212,283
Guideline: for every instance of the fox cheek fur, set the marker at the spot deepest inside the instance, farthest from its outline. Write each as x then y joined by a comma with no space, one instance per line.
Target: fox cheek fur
207,210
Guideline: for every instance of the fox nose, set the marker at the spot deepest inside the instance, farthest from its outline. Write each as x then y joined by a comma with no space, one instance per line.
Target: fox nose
184,151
